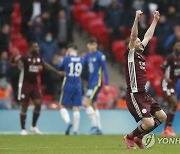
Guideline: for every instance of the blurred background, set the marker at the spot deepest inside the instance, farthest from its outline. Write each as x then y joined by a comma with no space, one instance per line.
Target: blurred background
55,23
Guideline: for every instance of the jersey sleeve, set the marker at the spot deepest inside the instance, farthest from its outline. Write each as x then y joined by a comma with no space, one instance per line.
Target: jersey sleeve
104,67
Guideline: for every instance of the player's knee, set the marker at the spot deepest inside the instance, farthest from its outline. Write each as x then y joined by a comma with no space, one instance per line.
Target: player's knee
148,124
24,108
89,110
38,106
162,116
37,103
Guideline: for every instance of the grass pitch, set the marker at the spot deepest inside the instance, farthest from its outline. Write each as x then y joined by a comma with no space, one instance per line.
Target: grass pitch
82,144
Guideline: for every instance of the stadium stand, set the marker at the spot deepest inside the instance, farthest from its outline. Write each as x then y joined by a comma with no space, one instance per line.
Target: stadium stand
90,15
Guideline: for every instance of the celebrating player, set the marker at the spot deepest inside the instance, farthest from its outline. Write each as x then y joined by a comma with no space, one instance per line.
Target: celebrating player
171,67
96,62
71,95
31,64
140,104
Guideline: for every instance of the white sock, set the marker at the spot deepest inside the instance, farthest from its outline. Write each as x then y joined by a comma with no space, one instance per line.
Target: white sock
76,120
91,114
98,118
65,115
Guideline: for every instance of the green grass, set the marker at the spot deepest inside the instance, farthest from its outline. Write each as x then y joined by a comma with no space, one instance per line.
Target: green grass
59,144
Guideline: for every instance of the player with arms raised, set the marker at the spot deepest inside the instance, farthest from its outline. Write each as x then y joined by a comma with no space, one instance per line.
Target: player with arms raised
31,64
71,95
140,104
171,66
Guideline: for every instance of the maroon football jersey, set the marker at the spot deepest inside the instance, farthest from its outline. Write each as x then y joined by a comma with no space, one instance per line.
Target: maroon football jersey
172,67
31,66
135,71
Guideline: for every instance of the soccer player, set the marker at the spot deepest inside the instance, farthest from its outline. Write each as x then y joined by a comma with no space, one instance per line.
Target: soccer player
71,95
171,67
31,64
96,62
140,104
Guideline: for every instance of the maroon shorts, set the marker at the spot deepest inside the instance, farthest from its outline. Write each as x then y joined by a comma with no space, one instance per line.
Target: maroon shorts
141,105
168,90
29,91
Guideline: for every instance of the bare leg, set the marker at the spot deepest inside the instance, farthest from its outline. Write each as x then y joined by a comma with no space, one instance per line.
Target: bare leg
172,105
37,109
24,106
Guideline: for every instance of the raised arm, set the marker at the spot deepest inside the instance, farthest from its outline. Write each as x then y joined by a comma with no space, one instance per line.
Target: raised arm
52,69
150,32
134,30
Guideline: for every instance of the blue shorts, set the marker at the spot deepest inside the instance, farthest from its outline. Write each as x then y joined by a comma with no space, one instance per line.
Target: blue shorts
71,97
92,92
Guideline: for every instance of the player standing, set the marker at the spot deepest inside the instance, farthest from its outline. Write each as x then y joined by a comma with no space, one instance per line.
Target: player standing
96,62
140,104
71,95
171,67
31,64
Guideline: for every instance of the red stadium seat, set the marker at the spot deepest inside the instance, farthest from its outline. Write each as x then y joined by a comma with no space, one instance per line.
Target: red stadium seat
78,10
155,60
94,24
103,38
15,36
101,15
96,28
119,48
87,23
87,16
21,45
126,33
88,2
157,85
154,72
153,45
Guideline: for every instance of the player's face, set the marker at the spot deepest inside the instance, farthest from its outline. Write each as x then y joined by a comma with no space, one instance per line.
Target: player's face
177,49
35,48
92,46
138,45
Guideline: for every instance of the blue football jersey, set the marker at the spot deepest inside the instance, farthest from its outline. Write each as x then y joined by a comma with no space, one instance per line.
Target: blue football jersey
97,65
72,66
71,89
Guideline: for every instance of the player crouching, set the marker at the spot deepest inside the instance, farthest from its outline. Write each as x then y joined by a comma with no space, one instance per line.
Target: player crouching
140,104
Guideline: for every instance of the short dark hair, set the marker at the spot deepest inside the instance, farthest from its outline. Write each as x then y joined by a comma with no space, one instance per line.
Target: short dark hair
73,46
92,40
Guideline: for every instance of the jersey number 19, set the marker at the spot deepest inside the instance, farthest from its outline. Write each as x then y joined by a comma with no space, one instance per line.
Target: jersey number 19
75,69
